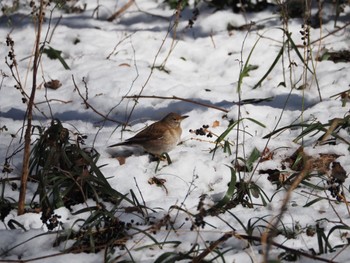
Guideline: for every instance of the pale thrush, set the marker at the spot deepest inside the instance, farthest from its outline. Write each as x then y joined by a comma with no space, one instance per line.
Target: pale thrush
158,138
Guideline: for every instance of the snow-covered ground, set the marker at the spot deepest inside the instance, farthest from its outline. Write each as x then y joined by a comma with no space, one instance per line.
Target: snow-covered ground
202,64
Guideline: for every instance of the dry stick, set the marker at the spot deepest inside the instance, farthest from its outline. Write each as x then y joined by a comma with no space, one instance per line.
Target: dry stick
27,139
117,45
345,201
175,98
173,43
91,107
2,180
16,77
52,100
336,212
121,10
54,28
330,33
267,236
151,72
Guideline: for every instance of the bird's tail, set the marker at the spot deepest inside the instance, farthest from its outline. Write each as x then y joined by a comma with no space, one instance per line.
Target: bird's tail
117,144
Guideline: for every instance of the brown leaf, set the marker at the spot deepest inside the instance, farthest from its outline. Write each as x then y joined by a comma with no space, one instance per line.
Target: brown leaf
157,181
338,172
124,65
266,155
53,84
321,164
215,124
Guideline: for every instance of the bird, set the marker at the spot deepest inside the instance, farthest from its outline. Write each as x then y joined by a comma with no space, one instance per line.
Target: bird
158,138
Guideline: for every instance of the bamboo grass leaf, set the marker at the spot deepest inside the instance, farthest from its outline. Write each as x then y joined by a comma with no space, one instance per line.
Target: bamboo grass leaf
274,63
230,191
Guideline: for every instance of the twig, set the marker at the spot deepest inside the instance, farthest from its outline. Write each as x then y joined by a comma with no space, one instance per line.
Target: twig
175,98
117,45
174,29
54,28
331,33
121,10
51,100
152,69
2,180
267,236
88,105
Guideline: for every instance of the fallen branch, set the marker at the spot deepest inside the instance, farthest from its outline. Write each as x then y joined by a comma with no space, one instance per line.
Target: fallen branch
56,100
176,98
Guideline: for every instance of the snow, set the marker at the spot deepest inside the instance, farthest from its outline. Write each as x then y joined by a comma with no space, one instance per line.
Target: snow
110,60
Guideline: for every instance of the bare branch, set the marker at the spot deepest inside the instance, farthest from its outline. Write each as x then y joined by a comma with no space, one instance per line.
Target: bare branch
136,97
88,105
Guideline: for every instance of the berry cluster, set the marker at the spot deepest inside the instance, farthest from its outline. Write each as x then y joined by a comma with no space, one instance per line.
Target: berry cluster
53,222
305,33
202,131
334,187
336,180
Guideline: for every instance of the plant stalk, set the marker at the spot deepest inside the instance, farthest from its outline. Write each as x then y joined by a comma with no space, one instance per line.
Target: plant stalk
27,135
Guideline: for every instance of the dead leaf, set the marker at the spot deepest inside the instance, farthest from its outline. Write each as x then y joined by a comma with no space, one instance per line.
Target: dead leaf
321,164
338,172
124,65
266,155
215,124
157,181
53,84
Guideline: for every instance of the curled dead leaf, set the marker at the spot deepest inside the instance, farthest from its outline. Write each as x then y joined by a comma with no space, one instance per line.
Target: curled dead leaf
215,124
124,65
53,84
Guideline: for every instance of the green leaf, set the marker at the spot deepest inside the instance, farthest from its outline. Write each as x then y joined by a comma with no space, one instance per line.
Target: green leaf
274,63
227,148
254,156
314,127
55,54
313,202
11,224
256,122
297,51
230,191
246,68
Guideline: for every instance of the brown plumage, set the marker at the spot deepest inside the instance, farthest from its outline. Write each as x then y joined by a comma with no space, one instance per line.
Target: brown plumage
161,136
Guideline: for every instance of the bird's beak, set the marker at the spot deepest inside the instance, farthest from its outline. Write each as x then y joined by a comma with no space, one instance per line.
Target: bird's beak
184,117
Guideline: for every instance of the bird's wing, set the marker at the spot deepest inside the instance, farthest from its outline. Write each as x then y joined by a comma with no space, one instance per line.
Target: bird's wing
152,132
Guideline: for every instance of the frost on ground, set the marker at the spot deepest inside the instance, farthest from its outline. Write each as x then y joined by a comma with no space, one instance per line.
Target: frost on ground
265,132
